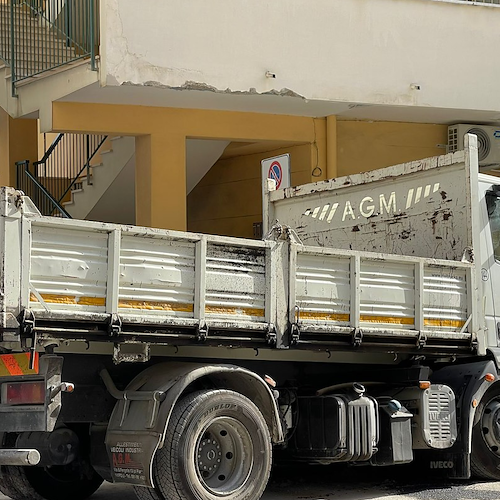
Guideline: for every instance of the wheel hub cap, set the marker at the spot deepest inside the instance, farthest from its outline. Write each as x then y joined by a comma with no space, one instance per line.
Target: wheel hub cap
490,426
224,456
209,457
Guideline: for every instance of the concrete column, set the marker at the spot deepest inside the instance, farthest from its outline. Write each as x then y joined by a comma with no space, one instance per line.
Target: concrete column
331,150
160,181
18,141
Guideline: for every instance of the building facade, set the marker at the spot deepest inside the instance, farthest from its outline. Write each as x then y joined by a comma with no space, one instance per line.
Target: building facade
183,99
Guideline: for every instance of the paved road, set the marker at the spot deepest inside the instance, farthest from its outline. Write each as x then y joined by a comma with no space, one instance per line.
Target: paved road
360,483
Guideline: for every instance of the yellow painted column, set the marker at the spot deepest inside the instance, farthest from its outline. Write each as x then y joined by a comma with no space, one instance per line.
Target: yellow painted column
4,149
160,180
331,151
18,141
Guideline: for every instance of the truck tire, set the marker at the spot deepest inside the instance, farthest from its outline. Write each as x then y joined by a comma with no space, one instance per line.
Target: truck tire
147,493
485,456
217,447
13,487
48,483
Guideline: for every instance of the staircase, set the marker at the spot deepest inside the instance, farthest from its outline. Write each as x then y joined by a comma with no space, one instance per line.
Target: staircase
41,39
113,169
85,177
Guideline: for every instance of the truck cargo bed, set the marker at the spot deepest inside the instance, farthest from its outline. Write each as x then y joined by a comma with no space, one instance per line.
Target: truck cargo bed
79,280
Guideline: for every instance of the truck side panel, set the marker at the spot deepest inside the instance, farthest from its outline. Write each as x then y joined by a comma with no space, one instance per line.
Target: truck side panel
420,209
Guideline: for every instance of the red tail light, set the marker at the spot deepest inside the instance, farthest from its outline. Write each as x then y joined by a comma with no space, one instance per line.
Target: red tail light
23,393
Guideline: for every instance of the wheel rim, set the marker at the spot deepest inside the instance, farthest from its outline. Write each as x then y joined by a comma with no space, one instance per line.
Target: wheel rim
223,456
490,426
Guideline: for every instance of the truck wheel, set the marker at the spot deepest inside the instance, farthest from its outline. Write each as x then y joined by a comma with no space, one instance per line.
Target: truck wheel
485,456
147,493
217,447
49,483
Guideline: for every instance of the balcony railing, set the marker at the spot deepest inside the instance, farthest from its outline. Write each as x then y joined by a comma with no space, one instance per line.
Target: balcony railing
40,35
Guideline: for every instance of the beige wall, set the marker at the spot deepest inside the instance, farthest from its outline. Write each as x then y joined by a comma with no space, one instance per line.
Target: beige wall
410,53
363,146
228,200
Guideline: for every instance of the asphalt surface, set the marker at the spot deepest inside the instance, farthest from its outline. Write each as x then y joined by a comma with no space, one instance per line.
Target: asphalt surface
350,483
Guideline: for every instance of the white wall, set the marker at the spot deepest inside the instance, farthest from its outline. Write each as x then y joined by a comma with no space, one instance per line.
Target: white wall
362,51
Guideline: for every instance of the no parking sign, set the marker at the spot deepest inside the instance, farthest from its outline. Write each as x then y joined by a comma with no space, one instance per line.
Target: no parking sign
278,169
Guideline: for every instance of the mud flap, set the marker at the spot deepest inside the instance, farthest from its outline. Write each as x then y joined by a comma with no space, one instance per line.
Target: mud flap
130,456
445,464
133,436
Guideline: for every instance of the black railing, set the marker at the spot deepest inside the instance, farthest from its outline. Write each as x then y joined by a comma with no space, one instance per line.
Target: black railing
65,166
41,35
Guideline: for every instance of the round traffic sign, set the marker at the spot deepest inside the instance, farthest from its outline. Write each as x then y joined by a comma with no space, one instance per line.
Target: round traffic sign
276,173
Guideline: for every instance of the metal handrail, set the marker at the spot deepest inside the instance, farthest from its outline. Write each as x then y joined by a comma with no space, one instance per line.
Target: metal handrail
37,36
51,148
23,166
86,167
51,179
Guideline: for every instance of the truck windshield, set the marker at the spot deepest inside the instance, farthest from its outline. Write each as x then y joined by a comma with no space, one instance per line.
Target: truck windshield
493,204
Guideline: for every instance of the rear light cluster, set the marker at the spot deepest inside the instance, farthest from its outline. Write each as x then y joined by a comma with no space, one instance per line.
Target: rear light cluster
23,393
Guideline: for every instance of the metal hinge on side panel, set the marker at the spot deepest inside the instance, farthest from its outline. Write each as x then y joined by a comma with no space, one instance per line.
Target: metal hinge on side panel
294,333
357,337
202,332
421,339
294,327
271,334
114,325
29,332
474,344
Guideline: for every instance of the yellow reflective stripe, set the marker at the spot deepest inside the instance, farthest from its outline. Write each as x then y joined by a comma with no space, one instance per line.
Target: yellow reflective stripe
393,320
92,301
320,316
52,298
449,323
155,305
246,311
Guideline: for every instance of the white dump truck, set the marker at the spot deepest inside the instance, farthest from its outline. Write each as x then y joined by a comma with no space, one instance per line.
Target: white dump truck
364,328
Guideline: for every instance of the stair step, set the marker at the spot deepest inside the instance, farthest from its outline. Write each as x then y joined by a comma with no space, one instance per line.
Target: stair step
20,29
29,67
30,42
39,65
48,72
28,70
38,47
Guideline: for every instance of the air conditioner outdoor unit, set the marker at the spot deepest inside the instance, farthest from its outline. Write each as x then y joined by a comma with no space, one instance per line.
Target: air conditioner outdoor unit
488,141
